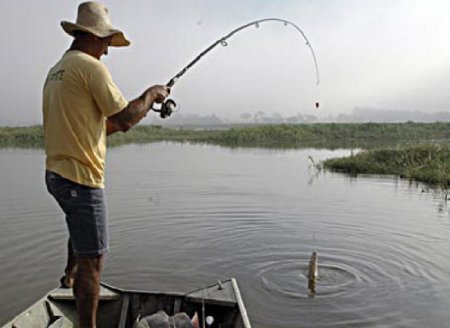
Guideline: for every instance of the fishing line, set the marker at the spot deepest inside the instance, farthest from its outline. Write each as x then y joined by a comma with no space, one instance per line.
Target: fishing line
167,108
203,308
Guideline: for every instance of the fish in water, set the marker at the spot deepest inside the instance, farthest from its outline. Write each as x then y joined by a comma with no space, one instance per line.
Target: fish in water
313,272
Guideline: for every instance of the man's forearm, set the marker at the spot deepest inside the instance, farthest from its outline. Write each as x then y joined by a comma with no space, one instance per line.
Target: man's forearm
111,127
136,110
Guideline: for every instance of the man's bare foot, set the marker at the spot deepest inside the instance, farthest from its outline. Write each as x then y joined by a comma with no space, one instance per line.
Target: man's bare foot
66,281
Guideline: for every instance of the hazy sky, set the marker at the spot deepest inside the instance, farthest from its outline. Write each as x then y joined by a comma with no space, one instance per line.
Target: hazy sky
391,54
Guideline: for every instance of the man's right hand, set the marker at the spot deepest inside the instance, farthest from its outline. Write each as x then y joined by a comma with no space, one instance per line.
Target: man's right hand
157,93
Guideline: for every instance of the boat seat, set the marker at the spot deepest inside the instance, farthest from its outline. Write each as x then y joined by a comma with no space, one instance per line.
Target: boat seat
66,294
221,293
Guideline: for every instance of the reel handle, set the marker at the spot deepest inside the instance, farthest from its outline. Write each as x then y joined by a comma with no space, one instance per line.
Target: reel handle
166,109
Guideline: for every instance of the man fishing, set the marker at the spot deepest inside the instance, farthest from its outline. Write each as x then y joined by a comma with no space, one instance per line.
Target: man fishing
81,106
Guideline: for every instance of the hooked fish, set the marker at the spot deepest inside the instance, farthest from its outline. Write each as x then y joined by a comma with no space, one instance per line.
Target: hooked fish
313,272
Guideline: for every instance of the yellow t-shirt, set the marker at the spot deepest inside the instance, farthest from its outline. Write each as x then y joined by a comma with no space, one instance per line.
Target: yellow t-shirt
78,96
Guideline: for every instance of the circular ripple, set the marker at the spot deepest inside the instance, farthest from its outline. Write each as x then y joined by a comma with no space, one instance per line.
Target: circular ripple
289,278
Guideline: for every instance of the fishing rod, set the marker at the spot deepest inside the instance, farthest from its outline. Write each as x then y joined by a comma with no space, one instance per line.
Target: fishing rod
169,105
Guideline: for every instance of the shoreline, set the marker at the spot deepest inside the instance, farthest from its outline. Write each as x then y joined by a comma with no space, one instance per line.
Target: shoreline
414,151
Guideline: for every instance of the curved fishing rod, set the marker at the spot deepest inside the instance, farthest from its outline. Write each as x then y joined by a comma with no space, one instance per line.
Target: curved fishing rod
168,106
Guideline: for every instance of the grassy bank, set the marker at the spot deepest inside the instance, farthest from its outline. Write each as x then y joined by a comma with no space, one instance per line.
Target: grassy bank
21,137
33,136
331,135
428,163
366,135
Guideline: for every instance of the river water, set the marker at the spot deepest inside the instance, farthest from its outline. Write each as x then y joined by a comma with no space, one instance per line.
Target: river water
183,216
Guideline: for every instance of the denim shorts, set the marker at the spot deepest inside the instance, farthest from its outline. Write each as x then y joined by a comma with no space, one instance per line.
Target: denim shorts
85,210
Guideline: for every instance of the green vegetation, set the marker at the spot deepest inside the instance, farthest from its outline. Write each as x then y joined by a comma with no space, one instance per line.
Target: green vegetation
390,148
325,135
154,133
33,137
330,135
429,163
22,137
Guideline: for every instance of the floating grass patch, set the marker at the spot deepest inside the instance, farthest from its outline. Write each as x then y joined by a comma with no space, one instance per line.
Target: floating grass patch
428,163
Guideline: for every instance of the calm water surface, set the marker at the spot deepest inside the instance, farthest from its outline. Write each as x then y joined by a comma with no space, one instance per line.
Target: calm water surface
182,216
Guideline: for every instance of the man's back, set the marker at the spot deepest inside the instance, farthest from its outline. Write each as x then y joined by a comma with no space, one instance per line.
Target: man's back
78,96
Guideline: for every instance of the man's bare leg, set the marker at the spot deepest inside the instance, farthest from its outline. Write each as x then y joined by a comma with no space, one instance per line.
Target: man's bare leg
71,266
86,289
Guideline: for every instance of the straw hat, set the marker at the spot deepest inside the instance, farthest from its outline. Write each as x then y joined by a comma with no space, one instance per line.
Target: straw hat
93,18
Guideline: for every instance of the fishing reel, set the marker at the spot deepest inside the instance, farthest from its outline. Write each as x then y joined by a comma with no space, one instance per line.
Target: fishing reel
167,108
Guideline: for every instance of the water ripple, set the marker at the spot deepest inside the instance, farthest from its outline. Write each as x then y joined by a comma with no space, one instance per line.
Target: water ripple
182,216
